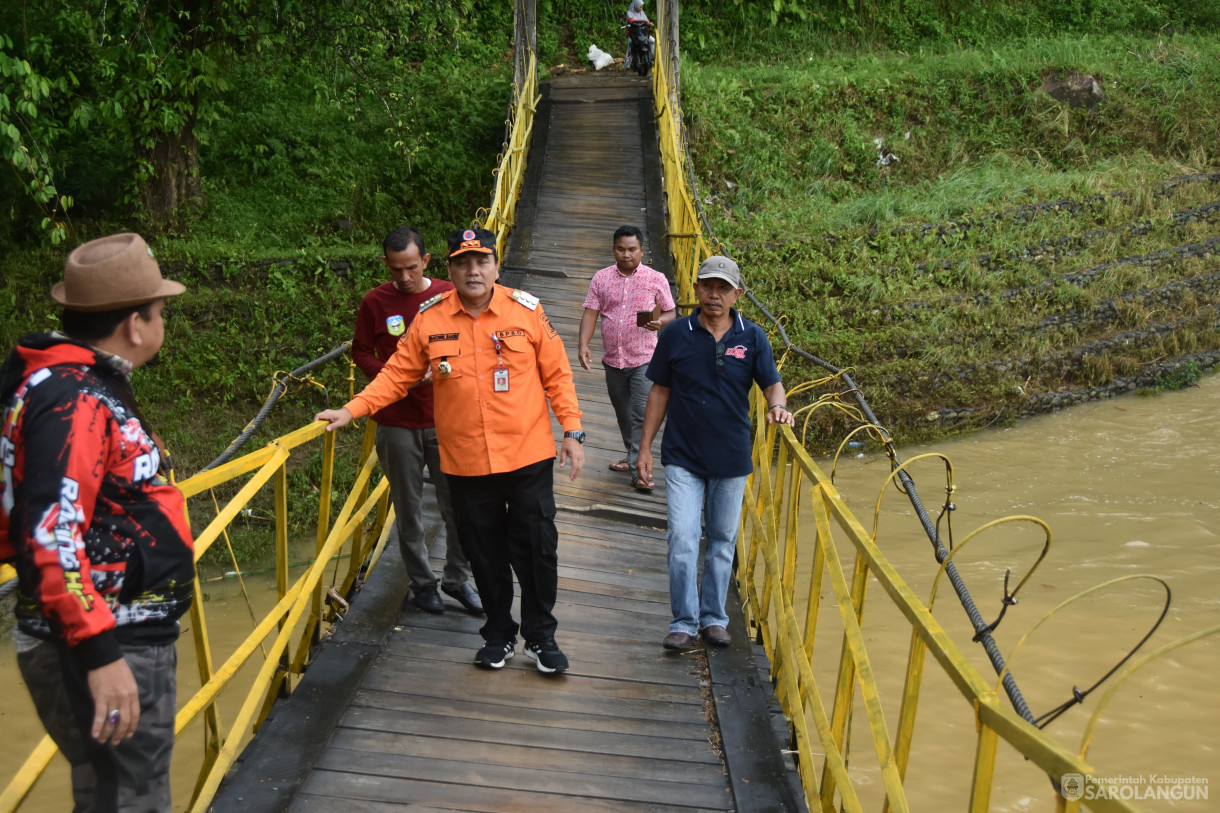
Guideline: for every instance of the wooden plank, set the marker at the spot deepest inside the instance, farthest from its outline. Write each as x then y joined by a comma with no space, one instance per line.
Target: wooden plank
388,683
587,741
503,777
656,770
341,787
656,671
383,706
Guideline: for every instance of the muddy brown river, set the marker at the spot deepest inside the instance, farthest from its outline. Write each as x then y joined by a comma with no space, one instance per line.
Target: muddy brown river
1128,486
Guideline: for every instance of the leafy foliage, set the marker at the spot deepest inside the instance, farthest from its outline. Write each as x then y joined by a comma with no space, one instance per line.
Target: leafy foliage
750,30
147,79
25,141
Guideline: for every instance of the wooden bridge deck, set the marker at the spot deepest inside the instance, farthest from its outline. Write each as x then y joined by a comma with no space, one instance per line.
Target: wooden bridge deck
393,714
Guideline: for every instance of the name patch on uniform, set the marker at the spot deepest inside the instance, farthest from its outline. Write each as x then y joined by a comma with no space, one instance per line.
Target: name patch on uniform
503,333
443,337
395,324
738,352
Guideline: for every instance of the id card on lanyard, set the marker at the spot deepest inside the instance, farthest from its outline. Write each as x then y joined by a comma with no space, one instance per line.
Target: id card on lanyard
500,374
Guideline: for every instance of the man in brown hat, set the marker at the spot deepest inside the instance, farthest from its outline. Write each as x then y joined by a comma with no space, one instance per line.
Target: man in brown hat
101,544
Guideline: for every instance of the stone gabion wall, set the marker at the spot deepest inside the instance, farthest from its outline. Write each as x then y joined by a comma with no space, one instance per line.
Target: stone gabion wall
1041,403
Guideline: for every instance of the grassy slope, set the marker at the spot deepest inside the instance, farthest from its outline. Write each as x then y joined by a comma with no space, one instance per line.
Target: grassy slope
785,156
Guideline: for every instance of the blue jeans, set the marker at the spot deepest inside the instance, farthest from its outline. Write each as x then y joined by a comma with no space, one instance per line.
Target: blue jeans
688,496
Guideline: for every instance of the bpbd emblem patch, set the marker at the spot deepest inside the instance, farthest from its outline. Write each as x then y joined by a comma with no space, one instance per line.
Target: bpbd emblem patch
396,325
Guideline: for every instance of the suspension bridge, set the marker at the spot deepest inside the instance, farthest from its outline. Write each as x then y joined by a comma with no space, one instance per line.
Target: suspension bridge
388,713
628,728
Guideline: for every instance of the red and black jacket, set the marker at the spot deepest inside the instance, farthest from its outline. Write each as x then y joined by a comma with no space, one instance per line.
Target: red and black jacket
100,539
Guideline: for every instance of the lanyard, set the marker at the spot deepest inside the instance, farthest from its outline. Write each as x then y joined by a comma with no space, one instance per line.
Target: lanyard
500,376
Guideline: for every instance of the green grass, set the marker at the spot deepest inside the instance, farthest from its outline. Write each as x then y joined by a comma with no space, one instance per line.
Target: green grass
784,156
795,140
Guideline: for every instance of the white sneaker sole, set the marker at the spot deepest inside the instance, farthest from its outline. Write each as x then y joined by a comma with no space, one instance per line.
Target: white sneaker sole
498,664
546,670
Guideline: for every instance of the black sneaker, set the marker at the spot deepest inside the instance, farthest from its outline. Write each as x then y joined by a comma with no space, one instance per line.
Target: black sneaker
429,600
549,658
493,655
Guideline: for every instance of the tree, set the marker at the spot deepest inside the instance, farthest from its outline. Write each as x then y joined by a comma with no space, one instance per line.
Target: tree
25,140
145,74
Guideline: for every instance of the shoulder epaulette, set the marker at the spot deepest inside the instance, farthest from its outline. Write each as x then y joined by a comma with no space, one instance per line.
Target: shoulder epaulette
522,298
431,302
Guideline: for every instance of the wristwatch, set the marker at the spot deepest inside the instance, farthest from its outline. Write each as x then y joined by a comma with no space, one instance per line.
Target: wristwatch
578,435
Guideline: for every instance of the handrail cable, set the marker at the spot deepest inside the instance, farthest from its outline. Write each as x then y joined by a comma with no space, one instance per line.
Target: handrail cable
279,387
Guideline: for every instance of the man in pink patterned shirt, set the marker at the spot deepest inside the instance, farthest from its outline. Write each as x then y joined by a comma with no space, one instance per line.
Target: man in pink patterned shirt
634,302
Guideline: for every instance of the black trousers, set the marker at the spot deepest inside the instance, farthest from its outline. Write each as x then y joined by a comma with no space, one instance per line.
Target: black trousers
506,523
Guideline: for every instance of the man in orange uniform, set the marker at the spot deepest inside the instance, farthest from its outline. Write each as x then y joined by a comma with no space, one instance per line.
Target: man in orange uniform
495,362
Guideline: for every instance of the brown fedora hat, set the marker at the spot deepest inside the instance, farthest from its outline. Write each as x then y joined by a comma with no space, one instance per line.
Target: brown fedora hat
111,273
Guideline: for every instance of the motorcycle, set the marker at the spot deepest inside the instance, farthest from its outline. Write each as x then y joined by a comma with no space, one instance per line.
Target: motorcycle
639,45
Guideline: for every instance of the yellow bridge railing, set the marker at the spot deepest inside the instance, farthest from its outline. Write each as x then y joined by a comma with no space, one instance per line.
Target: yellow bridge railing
688,241
499,217
359,529
792,504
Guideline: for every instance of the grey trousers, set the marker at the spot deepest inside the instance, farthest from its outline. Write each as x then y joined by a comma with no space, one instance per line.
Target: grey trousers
133,776
628,388
403,454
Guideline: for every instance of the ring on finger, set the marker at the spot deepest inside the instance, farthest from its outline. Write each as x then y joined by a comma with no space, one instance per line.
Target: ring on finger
113,716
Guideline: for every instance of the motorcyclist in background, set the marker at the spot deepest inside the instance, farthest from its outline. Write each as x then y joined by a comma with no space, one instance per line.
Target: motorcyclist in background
635,14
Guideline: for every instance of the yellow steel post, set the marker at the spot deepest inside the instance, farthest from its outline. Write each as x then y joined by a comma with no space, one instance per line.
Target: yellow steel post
358,550
984,770
281,684
281,532
792,527
312,628
823,541
203,662
381,495
910,703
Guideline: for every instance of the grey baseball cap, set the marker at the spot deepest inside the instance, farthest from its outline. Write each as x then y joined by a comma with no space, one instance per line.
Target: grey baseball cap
718,267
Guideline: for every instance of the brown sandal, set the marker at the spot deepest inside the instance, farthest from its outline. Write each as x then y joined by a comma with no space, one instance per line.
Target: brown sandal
639,484
621,465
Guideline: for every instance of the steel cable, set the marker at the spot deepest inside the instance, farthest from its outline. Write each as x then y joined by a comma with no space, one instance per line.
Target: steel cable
277,391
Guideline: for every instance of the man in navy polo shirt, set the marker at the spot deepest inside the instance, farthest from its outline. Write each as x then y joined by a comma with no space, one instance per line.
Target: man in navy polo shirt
702,371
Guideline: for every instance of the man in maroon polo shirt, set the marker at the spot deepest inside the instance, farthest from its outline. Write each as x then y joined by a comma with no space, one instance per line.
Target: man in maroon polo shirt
406,432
